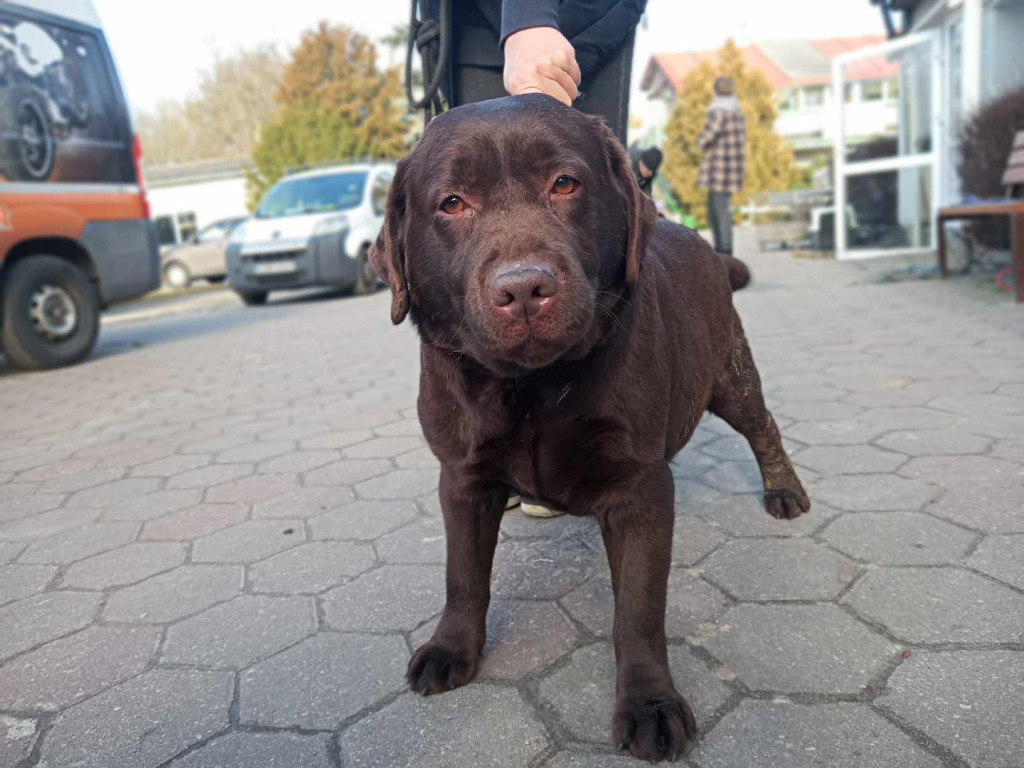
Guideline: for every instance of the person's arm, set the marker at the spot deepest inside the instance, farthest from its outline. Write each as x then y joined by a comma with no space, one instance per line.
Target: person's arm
538,58
710,132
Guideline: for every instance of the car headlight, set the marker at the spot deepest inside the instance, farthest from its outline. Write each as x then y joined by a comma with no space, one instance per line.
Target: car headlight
237,234
331,225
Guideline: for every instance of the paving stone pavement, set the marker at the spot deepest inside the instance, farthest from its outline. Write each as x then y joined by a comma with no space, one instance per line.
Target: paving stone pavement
220,542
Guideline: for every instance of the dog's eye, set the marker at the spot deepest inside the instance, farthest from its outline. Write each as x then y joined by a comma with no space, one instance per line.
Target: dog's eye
564,185
453,204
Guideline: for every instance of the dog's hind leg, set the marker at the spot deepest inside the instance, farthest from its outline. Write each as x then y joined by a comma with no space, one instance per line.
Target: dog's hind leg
737,399
472,517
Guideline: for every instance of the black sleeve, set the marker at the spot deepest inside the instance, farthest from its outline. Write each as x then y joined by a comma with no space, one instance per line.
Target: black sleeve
521,14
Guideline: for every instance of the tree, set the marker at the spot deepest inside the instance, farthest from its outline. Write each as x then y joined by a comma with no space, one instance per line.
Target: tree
335,103
223,119
770,165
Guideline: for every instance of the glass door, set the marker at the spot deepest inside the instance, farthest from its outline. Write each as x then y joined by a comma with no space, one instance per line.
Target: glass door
887,150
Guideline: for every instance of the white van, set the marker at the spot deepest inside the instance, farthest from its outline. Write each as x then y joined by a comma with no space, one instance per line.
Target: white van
311,229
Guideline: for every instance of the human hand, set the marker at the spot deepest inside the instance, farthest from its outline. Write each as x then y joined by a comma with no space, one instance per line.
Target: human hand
541,60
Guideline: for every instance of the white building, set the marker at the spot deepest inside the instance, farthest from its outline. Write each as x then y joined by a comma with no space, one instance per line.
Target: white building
950,57
186,198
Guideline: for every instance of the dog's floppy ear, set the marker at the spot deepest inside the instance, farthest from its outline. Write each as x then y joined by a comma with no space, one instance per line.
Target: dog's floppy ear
641,215
387,255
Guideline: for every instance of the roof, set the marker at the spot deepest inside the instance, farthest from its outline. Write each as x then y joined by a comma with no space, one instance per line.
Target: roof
194,173
784,63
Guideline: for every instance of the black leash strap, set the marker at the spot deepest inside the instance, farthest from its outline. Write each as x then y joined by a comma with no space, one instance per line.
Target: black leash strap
431,39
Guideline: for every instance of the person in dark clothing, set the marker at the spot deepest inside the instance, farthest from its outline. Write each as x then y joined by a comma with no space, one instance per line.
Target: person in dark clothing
577,51
646,168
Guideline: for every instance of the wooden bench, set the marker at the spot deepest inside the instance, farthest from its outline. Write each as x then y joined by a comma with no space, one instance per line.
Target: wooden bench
1013,179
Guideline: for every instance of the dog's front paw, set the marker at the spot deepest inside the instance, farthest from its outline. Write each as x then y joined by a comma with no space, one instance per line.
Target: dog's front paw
656,729
435,669
786,503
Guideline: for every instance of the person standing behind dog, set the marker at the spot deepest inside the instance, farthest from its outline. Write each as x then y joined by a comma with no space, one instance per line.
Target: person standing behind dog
723,142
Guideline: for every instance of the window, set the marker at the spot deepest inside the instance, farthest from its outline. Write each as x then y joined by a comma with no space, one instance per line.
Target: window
379,193
814,97
165,231
322,193
186,226
213,232
788,103
872,90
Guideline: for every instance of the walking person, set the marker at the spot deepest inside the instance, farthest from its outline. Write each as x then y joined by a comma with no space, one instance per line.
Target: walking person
645,168
577,51
723,142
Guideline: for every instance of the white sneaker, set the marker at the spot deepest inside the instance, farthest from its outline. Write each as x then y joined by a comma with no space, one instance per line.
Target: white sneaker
513,501
533,509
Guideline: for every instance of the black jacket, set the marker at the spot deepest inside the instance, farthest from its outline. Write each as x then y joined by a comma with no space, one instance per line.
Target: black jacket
596,28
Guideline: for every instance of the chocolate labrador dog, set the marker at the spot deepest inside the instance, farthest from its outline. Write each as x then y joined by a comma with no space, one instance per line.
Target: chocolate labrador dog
570,343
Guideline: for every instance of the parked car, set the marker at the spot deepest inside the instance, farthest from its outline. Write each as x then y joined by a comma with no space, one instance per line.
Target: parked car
311,229
75,234
204,256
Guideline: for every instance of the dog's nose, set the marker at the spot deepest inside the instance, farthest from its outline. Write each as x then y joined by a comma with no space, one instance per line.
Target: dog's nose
524,289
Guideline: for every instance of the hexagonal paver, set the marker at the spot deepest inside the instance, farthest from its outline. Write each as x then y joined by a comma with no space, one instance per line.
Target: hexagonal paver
421,542
812,410
153,505
745,515
522,637
691,602
10,550
297,462
731,448
898,538
171,465
242,453
800,648
734,477
517,525
41,618
778,569
51,523
382,448
495,728
965,471
362,520
79,544
399,484
19,581
1002,557
693,539
841,432
249,490
248,542
583,691
311,567
848,459
394,597
968,701
211,475
79,481
175,594
238,633
18,737
934,442
142,722
587,760
194,522
245,750
809,736
873,493
541,568
995,404
70,669
126,565
323,680
908,418
348,471
27,504
948,605
989,509
336,440
304,502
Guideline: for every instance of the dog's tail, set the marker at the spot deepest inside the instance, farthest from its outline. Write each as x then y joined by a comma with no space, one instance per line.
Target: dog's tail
739,273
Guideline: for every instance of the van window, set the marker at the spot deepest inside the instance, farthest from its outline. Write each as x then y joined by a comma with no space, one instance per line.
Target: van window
186,226
379,193
165,234
313,194
61,118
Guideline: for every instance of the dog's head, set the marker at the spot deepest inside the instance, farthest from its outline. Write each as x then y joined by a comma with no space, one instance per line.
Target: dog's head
512,229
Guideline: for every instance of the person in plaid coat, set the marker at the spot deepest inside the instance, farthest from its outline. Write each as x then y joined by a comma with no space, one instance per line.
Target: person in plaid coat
723,142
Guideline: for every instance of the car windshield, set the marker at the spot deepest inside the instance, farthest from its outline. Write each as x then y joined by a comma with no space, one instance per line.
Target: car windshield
313,194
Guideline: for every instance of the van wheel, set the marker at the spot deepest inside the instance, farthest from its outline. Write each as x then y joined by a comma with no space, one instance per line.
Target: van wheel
28,151
253,299
51,313
366,278
177,276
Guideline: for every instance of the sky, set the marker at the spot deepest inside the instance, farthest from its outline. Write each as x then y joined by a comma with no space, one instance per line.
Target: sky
160,48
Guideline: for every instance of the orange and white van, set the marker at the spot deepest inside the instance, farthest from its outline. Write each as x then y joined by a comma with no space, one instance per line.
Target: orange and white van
75,234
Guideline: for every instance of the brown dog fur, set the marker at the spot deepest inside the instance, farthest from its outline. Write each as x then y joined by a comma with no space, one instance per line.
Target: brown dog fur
583,406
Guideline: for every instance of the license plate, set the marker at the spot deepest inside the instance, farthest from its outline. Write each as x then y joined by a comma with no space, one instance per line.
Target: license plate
275,268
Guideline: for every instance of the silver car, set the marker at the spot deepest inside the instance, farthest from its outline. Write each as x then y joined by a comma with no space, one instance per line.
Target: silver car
201,257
